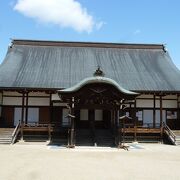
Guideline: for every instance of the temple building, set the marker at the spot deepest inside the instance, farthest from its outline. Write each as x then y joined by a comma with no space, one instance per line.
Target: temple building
89,93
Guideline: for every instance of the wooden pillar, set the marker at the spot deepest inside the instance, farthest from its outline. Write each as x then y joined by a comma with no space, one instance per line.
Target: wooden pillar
51,108
161,111
72,136
119,129
1,108
26,113
22,115
2,102
91,117
154,111
135,120
49,131
118,118
112,119
161,118
116,124
22,112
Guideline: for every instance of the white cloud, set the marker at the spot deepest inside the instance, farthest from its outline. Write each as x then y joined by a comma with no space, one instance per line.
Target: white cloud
64,13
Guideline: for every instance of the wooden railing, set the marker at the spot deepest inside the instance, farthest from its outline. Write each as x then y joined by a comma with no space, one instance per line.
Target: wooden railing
145,125
154,130
16,132
169,133
145,128
32,126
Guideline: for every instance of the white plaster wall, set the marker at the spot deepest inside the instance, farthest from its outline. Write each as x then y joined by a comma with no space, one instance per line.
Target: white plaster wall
84,114
12,101
169,103
38,101
149,103
55,97
98,115
144,103
10,93
38,94
145,96
60,104
170,97
157,103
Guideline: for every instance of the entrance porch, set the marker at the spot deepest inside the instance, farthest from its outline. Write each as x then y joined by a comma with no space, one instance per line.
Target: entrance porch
102,101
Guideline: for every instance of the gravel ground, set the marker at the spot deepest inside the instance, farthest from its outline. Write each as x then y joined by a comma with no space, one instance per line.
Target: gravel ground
41,162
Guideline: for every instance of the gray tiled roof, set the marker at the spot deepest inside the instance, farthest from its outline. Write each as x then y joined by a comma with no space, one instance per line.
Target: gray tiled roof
133,67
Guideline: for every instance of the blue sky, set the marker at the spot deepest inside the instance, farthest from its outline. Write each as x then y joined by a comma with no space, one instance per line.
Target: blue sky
122,21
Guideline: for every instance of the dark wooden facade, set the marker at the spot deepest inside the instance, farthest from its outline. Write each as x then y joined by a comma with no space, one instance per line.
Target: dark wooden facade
111,110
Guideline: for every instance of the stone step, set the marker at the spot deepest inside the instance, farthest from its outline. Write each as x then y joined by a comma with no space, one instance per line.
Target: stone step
2,143
6,135
6,141
177,142
6,129
2,138
177,133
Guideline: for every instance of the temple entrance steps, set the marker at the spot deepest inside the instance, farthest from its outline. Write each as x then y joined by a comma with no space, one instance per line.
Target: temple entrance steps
59,137
177,134
84,137
104,138
6,135
171,136
100,138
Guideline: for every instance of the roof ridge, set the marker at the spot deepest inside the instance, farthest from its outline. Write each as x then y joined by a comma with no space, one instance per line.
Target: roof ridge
86,44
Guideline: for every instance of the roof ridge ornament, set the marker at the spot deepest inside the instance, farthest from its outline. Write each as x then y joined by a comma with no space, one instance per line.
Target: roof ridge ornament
99,72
